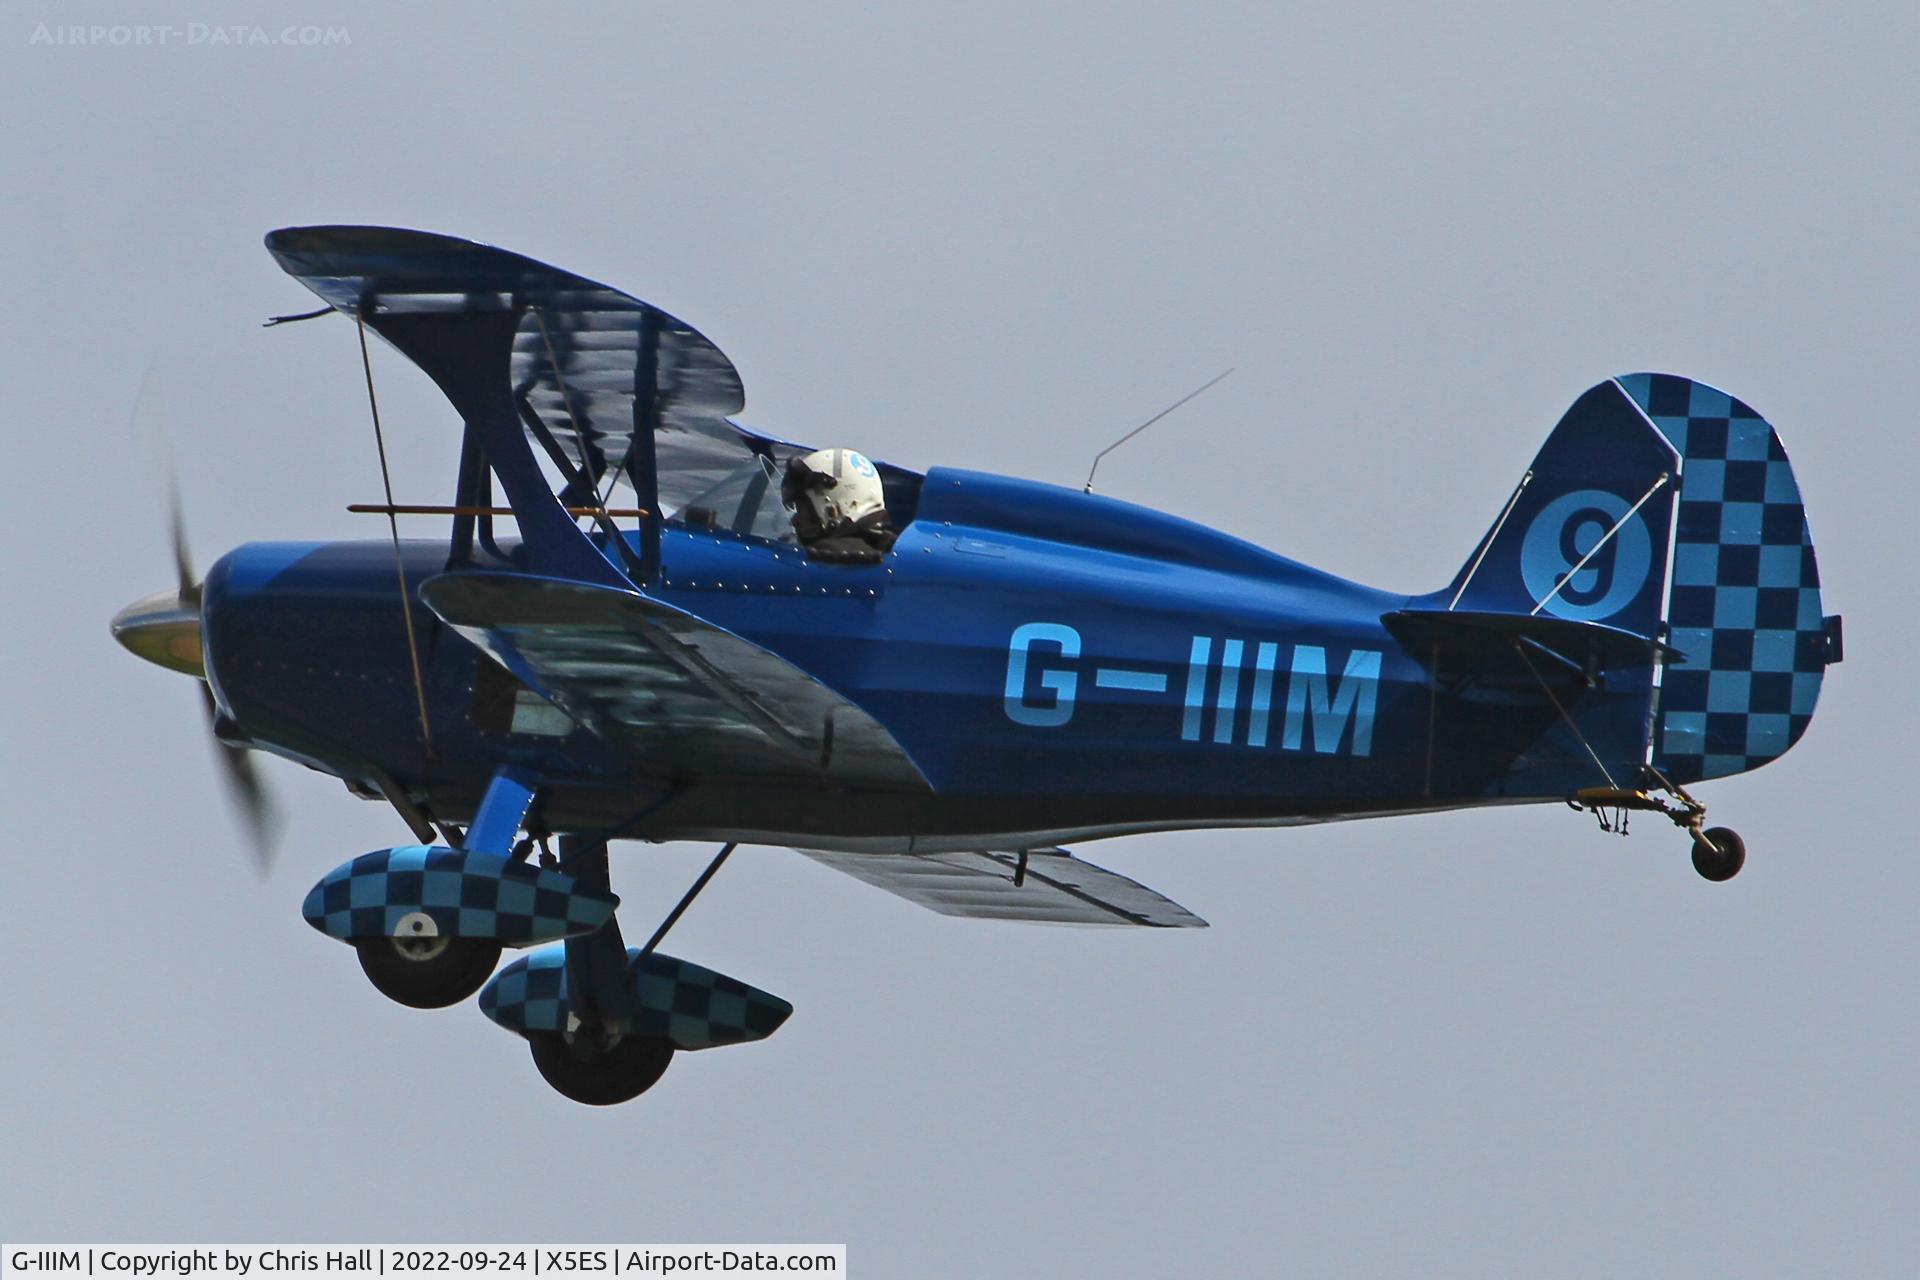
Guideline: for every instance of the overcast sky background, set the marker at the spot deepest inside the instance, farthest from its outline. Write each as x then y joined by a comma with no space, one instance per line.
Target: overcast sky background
1496,1043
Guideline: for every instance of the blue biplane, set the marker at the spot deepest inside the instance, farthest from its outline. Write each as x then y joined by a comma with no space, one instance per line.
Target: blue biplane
1022,666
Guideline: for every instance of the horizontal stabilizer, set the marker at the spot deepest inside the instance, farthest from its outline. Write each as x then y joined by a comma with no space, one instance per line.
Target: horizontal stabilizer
686,694
1465,637
1047,886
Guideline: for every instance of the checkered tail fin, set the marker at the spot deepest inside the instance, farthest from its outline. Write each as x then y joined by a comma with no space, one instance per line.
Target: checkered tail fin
1743,605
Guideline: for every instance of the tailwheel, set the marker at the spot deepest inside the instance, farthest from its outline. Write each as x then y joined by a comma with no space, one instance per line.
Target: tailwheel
1719,853
600,1071
422,970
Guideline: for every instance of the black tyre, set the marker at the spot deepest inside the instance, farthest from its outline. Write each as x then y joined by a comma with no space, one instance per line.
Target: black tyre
603,1077
1719,853
428,973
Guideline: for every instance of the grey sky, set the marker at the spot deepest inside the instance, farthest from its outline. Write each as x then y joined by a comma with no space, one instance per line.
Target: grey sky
1495,1043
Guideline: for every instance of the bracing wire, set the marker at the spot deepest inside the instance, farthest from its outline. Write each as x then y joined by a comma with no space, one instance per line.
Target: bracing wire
566,402
1571,724
393,526
1605,538
1487,546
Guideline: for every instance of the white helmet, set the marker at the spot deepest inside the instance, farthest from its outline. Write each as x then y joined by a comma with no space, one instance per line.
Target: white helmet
838,487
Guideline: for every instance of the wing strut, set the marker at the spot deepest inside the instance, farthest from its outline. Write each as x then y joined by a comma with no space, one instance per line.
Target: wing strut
393,526
646,424
686,900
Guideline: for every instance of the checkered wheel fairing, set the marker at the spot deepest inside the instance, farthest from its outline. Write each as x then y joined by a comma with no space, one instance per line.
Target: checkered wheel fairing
1745,603
465,893
671,999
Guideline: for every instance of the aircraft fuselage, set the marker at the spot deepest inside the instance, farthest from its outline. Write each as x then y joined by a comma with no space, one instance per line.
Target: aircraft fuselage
1059,666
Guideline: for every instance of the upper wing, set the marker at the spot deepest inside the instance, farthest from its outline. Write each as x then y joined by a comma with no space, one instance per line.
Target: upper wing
579,349
1049,886
683,693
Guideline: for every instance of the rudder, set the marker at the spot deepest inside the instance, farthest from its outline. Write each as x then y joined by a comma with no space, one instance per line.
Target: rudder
1744,606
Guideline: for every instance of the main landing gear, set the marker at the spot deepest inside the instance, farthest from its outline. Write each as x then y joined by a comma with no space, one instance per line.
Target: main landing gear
598,1059
1718,852
602,1022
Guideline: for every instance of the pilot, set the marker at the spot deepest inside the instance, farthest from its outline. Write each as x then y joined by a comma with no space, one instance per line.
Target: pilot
839,508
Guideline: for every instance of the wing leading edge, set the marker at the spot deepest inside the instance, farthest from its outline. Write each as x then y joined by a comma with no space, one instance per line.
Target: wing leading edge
1045,886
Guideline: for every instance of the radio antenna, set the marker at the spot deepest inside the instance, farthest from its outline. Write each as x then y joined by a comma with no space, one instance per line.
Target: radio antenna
1149,422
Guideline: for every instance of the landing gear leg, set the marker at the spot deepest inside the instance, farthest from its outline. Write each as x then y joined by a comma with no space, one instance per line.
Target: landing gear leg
594,1061
1718,852
597,1059
597,961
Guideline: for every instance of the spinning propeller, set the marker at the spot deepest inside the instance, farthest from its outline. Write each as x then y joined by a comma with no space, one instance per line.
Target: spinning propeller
164,629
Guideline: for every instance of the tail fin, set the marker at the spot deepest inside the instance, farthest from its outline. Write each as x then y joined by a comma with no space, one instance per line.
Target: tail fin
1666,508
1585,534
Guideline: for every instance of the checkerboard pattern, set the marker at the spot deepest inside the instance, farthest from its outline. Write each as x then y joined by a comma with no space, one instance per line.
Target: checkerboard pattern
467,894
1745,604
694,1007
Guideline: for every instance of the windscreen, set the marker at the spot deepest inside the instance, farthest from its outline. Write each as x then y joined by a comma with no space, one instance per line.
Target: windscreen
746,502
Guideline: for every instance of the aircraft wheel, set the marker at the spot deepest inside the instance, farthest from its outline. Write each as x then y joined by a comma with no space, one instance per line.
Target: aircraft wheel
428,972
601,1077
1719,853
